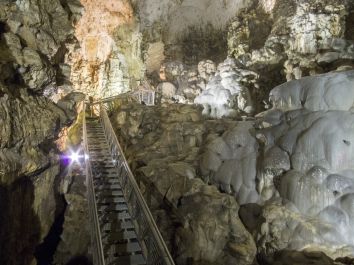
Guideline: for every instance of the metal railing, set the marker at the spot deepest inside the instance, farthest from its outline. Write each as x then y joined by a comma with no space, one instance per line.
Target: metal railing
152,243
146,96
96,242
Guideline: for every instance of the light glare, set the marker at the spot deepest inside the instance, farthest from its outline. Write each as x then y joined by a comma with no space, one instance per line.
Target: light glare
74,156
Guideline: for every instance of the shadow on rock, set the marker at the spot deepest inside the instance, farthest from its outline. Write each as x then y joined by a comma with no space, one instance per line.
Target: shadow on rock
79,260
19,225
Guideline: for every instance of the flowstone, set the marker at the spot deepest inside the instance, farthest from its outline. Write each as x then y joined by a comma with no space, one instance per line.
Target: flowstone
312,125
228,92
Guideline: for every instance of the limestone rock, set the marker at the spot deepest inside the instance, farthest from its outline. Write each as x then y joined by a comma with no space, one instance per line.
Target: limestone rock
75,239
32,45
291,39
213,229
172,137
168,90
206,69
228,91
32,40
28,156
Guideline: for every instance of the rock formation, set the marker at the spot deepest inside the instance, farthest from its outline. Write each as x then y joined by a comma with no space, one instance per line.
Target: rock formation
315,178
285,40
108,61
228,180
171,138
228,93
35,37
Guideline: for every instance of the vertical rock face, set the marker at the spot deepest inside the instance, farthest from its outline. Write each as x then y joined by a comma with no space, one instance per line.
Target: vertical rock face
33,42
20,225
33,37
75,238
190,30
291,39
108,60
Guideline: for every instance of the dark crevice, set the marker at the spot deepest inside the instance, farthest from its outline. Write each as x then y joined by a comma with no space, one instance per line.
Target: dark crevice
80,260
349,26
3,27
45,251
19,224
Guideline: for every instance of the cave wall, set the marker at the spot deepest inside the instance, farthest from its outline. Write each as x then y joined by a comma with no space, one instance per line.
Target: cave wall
35,38
286,40
108,59
190,31
122,40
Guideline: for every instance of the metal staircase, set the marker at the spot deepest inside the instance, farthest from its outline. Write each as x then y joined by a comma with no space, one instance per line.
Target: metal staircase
122,228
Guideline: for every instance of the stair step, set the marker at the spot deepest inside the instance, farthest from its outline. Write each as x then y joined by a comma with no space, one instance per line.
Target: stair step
100,157
98,160
131,260
103,164
105,182
112,173
113,208
119,249
107,170
106,200
109,217
117,225
105,176
108,186
108,193
97,148
97,142
120,236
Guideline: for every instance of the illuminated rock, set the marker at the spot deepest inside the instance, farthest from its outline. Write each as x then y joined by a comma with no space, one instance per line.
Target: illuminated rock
228,92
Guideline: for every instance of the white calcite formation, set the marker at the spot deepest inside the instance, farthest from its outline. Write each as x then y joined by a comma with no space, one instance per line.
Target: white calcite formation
302,37
230,162
296,160
182,83
333,91
313,171
206,69
228,92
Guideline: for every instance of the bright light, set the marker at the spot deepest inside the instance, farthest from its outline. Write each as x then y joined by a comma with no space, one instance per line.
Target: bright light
87,157
74,156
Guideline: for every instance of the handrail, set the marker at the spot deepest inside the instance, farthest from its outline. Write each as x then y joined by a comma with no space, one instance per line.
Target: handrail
97,247
153,245
145,95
